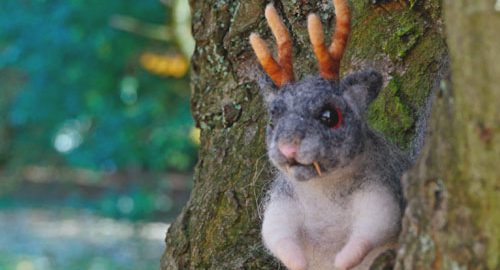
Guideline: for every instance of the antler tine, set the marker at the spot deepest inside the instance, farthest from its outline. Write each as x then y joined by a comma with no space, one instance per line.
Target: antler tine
329,58
283,41
317,38
280,71
342,30
270,66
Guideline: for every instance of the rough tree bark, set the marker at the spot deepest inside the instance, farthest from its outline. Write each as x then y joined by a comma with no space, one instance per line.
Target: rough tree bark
452,220
220,226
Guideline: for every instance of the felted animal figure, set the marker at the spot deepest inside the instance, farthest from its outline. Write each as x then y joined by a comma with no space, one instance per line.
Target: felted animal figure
336,202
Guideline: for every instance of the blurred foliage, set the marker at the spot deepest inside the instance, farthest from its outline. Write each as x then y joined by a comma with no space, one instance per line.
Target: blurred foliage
73,92
96,135
165,65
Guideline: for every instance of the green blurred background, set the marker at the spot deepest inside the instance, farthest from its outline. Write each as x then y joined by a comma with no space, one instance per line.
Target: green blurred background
97,142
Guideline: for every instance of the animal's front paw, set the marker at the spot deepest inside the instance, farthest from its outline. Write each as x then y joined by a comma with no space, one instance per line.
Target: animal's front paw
291,254
352,254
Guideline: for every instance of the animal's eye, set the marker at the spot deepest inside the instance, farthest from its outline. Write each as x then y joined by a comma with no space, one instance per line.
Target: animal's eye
331,118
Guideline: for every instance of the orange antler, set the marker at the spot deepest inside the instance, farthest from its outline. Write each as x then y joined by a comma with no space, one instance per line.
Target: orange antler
329,58
281,72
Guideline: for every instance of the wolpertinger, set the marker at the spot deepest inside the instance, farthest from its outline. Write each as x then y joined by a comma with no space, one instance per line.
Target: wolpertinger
337,201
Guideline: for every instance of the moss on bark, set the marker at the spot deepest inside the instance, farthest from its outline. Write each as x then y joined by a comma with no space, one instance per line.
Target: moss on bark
452,220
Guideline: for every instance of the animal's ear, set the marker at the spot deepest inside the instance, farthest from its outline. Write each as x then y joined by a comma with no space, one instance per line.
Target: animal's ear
268,89
361,88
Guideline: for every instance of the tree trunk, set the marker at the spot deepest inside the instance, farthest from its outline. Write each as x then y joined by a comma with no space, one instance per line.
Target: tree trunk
452,220
220,226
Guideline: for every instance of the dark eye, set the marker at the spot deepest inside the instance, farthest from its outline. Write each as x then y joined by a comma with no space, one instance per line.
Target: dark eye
331,118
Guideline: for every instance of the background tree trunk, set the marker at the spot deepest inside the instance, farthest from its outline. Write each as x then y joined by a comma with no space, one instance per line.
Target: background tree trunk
220,226
452,220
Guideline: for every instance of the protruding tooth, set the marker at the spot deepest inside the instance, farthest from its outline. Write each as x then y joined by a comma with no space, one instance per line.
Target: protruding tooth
318,169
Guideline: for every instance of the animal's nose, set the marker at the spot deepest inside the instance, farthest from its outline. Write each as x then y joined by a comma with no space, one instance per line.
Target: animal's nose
288,150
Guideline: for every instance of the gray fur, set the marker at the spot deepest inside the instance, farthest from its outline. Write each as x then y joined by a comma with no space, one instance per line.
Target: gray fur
352,157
